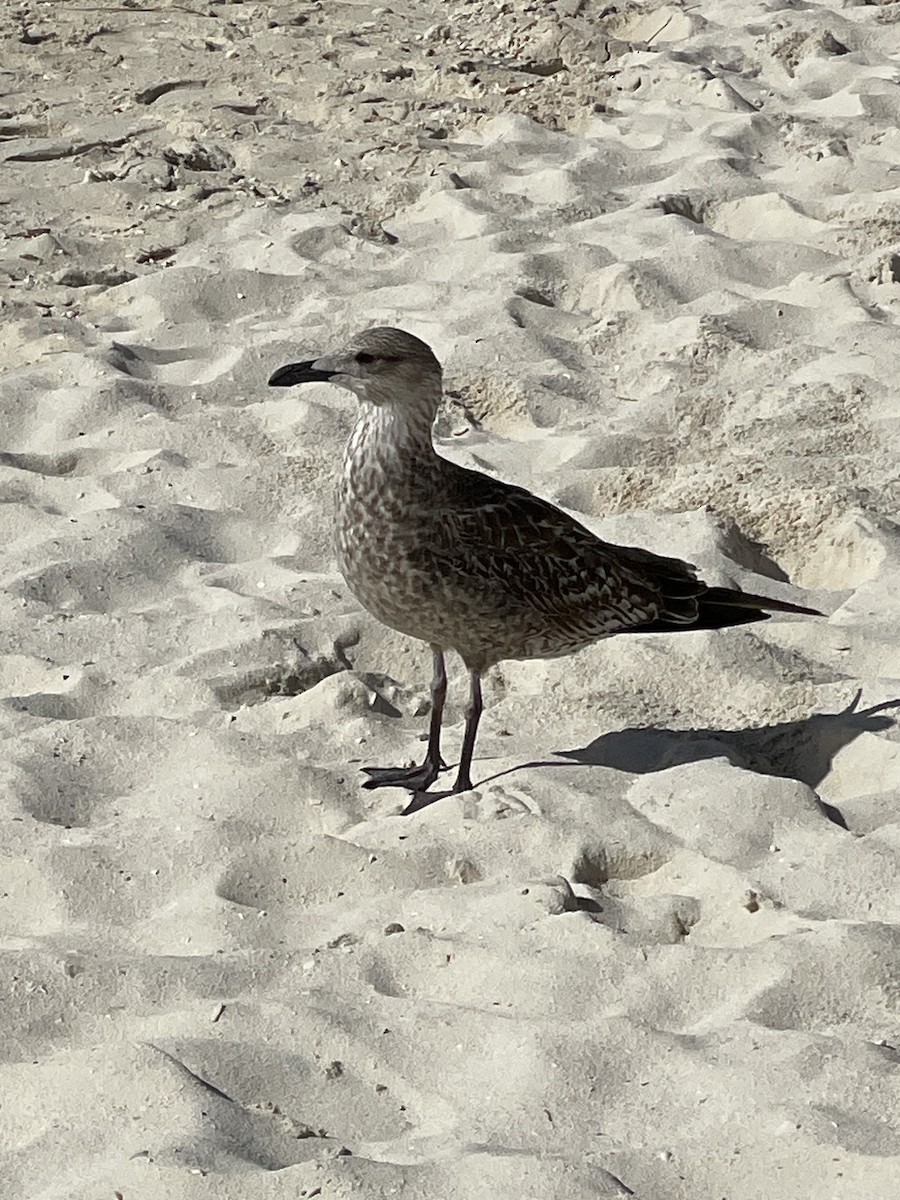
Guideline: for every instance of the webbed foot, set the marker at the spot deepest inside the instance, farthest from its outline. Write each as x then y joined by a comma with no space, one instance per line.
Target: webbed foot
414,779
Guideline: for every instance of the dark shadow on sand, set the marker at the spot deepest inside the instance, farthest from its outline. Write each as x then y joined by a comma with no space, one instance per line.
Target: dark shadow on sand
802,750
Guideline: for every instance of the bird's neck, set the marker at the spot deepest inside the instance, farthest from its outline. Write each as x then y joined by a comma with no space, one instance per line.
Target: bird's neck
386,439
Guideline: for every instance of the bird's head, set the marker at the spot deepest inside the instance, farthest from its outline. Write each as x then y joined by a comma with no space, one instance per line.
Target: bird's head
387,367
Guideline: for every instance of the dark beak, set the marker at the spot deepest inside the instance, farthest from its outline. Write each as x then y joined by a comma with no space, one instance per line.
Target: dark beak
302,372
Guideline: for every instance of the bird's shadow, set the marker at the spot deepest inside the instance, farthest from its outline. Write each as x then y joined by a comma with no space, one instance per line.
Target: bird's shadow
802,750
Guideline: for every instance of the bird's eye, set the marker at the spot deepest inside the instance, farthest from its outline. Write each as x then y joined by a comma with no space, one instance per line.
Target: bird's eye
363,357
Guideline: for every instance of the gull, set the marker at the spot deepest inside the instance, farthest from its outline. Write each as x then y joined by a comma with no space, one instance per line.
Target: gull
469,563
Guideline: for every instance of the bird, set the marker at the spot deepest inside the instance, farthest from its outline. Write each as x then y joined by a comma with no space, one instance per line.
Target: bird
466,562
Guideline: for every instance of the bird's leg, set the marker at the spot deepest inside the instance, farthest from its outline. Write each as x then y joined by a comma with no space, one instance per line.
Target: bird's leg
463,774
473,716
438,696
417,779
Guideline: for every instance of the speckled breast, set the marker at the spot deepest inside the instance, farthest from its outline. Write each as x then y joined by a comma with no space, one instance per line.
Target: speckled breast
378,542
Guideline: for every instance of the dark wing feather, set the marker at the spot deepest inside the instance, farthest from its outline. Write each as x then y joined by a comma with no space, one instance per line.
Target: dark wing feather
554,563
548,559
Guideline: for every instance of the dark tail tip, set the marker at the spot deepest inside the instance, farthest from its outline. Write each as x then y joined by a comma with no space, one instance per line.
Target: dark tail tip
734,599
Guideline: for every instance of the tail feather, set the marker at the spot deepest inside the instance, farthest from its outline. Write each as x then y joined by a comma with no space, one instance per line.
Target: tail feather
733,598
720,608
687,602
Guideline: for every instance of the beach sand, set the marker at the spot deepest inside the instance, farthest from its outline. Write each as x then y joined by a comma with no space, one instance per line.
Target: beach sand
656,951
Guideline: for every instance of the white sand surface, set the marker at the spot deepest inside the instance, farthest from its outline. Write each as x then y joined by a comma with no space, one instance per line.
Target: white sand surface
656,952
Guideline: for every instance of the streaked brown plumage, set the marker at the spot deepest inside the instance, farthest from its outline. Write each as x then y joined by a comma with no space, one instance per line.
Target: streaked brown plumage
469,563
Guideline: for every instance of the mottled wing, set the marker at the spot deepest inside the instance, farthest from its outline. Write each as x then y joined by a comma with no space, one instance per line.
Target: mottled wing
543,558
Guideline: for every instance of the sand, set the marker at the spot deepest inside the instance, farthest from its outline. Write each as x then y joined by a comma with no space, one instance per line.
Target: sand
656,951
